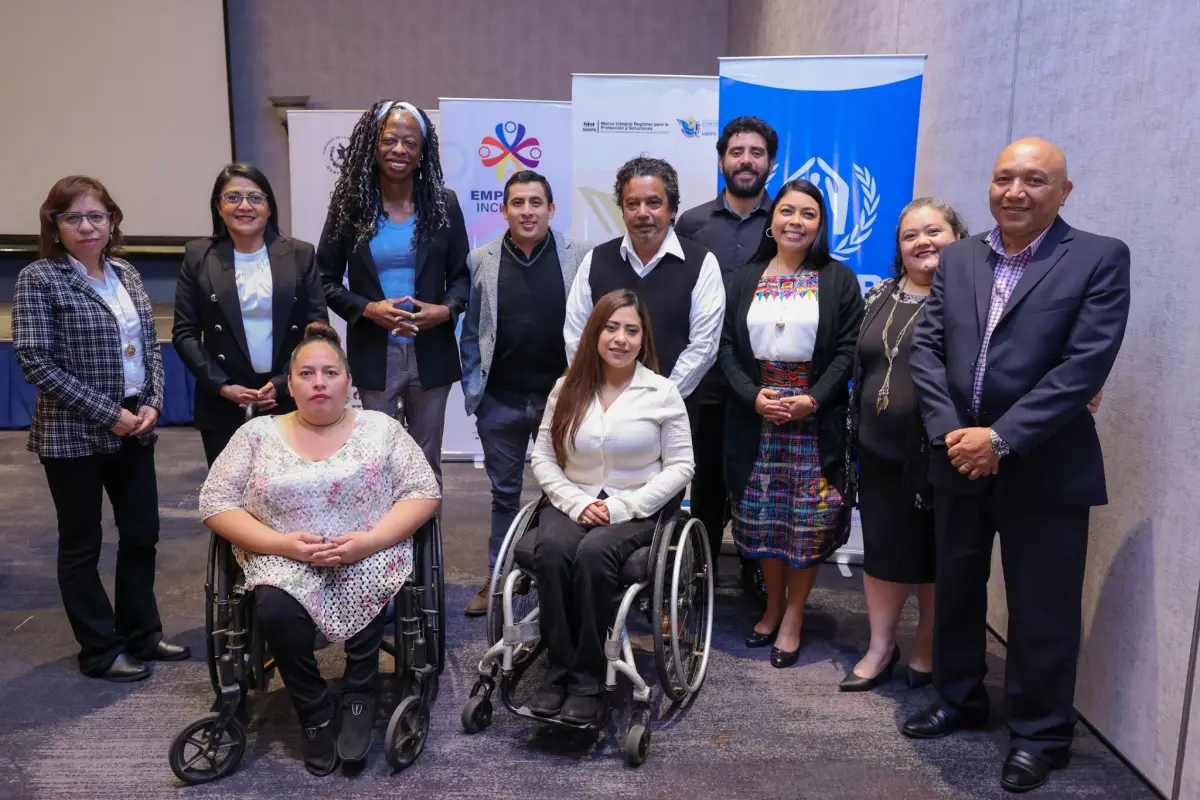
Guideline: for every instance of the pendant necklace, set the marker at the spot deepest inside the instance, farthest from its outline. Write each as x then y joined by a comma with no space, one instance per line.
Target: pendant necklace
890,351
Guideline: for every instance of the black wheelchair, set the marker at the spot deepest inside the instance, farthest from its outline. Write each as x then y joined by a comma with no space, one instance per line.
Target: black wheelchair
671,581
211,747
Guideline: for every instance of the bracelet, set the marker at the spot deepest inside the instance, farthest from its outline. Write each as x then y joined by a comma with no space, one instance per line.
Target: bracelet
816,405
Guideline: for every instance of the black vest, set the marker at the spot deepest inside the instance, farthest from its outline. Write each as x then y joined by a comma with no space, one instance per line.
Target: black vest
666,291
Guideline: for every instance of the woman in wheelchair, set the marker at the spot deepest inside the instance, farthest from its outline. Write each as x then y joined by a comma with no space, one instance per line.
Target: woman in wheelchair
614,448
319,505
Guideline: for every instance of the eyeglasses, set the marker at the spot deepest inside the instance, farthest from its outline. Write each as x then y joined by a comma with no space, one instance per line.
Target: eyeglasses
98,219
235,198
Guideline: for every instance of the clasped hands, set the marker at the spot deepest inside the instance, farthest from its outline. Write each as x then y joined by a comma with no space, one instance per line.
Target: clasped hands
310,548
264,399
406,323
130,424
783,409
595,515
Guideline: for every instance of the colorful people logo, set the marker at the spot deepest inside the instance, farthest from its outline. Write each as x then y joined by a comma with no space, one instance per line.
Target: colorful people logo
509,151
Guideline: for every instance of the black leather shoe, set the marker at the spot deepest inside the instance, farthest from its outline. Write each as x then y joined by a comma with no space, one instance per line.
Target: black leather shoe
936,722
917,679
358,720
782,659
165,651
547,701
756,639
857,683
1024,771
126,669
581,709
319,745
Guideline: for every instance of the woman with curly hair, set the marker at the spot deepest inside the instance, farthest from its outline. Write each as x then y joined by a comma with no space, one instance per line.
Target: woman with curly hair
400,232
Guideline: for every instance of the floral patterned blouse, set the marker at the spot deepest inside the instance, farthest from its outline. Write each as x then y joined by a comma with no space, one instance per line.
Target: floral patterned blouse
350,490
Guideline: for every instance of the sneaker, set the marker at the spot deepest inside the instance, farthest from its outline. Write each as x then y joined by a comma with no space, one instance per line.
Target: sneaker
479,603
582,709
358,721
547,701
319,745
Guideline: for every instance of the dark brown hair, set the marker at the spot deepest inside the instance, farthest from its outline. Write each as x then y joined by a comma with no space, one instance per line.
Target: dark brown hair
320,332
586,372
61,196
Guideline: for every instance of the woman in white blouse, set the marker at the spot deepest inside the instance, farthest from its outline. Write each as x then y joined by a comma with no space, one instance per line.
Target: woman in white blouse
243,298
613,450
320,505
791,321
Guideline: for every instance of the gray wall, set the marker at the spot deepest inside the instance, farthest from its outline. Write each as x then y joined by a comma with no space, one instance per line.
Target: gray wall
348,54
1114,83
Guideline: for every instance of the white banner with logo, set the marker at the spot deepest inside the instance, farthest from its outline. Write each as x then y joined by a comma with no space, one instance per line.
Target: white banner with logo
618,117
317,142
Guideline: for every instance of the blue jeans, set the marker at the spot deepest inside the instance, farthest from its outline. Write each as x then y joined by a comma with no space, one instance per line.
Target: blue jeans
505,432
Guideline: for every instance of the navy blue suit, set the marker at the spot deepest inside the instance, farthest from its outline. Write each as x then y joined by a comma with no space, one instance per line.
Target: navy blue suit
1049,354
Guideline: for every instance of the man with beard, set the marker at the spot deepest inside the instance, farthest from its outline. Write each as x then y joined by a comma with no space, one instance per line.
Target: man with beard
678,280
730,227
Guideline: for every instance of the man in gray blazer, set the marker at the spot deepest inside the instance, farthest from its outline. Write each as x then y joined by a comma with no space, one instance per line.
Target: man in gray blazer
512,342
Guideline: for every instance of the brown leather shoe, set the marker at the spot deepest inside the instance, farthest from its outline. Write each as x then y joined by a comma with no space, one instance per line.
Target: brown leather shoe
479,603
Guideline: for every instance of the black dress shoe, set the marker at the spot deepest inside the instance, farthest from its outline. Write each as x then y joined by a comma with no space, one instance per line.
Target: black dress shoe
782,659
936,722
165,651
756,639
358,720
320,748
127,669
1024,771
547,701
581,709
857,683
917,679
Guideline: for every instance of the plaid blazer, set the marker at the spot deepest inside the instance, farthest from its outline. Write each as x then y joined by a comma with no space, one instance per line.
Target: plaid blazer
68,344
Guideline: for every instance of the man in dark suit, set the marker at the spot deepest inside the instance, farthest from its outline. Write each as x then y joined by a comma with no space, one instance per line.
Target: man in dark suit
1020,331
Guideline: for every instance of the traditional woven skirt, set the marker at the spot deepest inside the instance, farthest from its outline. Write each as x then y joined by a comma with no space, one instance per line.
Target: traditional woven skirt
788,510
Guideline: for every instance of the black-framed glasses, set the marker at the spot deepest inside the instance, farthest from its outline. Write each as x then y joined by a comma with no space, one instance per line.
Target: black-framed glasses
98,219
235,198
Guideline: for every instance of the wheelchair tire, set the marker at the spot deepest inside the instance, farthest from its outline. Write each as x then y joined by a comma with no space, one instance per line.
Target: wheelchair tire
637,744
198,736
683,537
439,587
407,731
477,714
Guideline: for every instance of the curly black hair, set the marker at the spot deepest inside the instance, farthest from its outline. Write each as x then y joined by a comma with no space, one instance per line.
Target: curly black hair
646,167
356,206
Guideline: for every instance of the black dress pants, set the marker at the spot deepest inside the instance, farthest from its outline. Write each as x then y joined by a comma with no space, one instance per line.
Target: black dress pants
215,441
290,633
77,486
1044,551
709,497
578,575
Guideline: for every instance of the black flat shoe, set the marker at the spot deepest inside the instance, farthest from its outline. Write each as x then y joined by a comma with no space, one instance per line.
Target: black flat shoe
756,639
857,683
1024,771
918,679
166,651
358,722
581,709
781,659
936,722
320,748
126,669
547,701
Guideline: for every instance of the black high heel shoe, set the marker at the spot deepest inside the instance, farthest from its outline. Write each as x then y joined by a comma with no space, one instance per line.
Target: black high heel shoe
917,679
857,683
756,639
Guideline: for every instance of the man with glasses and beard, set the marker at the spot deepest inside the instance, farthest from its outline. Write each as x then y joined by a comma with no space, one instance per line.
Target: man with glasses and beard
730,227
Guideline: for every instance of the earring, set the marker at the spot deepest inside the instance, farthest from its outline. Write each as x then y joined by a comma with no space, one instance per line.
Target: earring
769,234
56,239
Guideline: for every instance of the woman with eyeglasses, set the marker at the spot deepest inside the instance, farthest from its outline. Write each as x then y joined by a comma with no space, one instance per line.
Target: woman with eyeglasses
244,297
83,333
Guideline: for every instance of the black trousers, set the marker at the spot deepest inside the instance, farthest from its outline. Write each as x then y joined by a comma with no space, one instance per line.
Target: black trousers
215,441
77,486
291,635
709,497
578,571
1044,551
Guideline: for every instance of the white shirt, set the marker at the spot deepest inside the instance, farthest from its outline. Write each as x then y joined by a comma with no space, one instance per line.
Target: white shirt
129,324
783,328
706,316
639,452
252,272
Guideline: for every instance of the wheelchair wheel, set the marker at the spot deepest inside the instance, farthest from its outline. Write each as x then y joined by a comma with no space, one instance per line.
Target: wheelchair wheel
681,608
406,733
438,589
637,744
525,596
210,612
196,758
477,714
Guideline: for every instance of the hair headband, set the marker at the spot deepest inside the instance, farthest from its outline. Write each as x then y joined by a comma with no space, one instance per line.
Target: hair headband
400,105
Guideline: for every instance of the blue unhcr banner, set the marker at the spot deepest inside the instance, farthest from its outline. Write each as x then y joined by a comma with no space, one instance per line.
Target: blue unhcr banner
849,125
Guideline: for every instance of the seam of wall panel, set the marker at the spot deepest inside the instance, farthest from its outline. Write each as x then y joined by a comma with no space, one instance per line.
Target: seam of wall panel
1012,95
1188,688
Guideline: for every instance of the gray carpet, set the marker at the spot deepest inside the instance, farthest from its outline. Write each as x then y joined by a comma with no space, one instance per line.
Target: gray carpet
752,732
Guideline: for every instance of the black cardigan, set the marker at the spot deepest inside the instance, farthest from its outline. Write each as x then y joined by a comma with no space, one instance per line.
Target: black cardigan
442,279
840,306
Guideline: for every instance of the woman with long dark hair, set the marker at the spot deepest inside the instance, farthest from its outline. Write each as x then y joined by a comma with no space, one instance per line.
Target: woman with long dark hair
400,233
614,449
242,300
791,318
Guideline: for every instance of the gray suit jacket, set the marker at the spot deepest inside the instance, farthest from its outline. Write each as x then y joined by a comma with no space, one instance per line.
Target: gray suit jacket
478,340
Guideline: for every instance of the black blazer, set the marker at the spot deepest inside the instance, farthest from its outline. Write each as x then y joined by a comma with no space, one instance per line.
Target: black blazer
208,332
442,278
1049,354
840,306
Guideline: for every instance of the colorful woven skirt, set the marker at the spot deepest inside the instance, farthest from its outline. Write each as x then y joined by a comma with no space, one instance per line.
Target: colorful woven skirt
788,510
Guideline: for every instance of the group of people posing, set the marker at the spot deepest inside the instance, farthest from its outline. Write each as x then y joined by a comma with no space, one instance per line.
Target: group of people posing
723,347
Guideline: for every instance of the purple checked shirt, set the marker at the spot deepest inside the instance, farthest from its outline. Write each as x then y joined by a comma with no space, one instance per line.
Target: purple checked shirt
1008,270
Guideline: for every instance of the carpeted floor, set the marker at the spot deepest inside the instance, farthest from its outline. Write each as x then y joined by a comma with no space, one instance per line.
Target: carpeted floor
752,732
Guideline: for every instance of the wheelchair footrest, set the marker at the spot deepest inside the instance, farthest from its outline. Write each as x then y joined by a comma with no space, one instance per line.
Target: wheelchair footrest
521,632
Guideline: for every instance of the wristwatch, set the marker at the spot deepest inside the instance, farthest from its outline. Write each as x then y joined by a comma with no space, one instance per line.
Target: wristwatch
1000,447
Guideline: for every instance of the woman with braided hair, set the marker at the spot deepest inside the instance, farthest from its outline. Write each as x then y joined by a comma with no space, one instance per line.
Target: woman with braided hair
400,232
